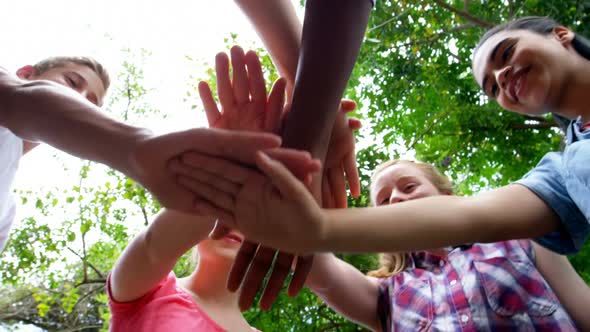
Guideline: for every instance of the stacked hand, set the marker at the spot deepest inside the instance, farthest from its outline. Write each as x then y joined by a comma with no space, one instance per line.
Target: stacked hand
244,106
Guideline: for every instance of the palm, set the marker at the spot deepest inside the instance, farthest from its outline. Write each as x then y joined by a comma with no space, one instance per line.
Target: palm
243,101
251,117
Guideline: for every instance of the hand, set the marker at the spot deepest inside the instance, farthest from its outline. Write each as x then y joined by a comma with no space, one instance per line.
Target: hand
275,201
341,159
243,101
243,98
151,157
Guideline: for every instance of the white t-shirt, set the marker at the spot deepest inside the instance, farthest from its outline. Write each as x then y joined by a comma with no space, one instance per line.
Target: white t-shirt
11,149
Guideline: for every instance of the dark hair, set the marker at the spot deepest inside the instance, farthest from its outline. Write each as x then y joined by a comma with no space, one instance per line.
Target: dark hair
542,25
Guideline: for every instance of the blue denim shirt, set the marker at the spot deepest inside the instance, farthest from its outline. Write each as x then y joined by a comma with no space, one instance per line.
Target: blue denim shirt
562,180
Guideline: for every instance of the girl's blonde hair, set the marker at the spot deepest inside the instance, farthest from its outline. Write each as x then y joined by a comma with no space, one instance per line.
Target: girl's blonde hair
393,263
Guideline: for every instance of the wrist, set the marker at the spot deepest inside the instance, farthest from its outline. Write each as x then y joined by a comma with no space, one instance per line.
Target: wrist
127,158
324,232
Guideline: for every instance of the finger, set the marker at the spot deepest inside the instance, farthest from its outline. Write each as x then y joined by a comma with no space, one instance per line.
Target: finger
352,174
240,265
203,176
338,187
304,264
206,209
219,230
327,200
297,161
209,103
207,194
255,78
240,76
280,176
233,145
255,276
354,124
219,169
347,105
280,271
224,87
276,101
284,116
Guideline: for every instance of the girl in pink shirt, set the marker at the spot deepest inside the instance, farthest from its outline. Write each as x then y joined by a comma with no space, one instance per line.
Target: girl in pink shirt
144,295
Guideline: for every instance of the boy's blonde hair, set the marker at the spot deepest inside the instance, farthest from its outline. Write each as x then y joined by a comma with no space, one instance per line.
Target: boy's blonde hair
393,263
61,61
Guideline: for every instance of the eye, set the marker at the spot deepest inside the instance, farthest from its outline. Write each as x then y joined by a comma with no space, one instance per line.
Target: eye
410,187
507,52
70,81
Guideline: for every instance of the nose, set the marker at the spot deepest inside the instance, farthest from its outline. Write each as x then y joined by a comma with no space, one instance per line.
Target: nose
502,76
397,197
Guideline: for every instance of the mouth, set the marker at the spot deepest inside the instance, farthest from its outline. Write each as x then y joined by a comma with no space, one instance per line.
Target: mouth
517,84
233,237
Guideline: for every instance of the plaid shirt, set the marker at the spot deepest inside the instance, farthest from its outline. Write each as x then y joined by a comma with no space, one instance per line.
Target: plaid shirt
483,287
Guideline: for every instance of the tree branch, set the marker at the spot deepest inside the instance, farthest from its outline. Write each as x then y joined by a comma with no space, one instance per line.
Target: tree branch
388,21
465,15
88,263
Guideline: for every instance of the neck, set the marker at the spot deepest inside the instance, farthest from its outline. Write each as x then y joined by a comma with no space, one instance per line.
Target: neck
573,100
208,284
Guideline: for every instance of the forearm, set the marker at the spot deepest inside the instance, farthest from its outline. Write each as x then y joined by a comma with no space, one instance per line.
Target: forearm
47,112
280,30
332,34
570,288
507,213
153,253
345,289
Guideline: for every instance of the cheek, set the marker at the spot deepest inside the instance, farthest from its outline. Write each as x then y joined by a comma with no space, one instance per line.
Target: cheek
507,104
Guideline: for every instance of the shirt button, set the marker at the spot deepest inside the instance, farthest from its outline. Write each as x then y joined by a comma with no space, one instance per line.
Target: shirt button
453,282
464,318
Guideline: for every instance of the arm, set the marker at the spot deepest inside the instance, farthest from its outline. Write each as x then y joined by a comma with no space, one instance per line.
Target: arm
571,290
46,111
345,289
280,31
509,212
299,225
153,253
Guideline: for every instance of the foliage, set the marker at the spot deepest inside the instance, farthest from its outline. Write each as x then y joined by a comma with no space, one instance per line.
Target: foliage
417,97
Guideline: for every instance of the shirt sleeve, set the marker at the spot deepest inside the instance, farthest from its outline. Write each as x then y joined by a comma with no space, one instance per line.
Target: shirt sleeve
120,307
547,182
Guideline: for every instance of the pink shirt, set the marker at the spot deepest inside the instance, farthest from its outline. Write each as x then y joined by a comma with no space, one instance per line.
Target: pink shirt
165,308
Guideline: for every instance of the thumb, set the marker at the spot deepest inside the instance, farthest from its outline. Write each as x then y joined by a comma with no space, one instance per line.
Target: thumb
280,176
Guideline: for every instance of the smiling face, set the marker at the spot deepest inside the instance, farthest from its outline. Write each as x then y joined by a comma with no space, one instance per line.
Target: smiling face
401,182
523,70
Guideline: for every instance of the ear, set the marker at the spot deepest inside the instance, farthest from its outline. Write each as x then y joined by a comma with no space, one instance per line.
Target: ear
564,35
27,72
